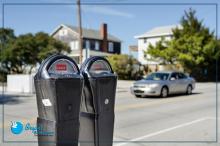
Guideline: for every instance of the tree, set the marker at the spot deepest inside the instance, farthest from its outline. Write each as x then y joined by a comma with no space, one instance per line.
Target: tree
6,36
21,54
162,52
47,46
193,46
125,66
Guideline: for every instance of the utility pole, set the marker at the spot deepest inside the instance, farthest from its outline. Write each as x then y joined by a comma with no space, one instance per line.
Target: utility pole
80,32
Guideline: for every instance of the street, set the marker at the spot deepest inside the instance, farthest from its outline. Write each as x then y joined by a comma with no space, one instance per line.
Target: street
175,120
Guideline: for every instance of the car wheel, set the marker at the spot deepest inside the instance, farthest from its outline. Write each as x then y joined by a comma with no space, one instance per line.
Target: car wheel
189,90
138,96
164,92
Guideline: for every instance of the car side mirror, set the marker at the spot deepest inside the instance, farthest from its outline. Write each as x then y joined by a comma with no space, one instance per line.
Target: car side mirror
172,78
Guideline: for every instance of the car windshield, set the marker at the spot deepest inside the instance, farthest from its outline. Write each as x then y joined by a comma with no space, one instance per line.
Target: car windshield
157,76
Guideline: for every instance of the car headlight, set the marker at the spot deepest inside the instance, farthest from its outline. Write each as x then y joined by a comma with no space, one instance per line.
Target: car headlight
153,85
139,86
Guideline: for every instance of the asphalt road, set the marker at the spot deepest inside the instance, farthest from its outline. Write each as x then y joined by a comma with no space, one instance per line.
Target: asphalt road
174,121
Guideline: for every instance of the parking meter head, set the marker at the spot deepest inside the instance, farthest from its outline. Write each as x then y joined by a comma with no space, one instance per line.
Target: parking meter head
57,66
96,66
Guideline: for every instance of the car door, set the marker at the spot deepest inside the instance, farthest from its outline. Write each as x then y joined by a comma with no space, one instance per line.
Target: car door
174,83
183,82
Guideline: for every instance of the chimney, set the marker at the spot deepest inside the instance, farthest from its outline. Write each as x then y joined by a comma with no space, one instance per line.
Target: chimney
104,36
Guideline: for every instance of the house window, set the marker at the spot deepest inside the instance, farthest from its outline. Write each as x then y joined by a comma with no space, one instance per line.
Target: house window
63,32
110,47
145,40
74,45
87,44
92,44
96,45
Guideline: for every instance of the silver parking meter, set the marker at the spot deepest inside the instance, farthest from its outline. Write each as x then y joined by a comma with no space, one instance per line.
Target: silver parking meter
98,101
58,86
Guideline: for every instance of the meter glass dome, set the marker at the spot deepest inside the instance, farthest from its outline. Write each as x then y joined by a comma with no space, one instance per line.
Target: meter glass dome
62,68
99,67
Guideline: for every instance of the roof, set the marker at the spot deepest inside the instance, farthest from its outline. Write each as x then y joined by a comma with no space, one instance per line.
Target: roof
88,33
159,31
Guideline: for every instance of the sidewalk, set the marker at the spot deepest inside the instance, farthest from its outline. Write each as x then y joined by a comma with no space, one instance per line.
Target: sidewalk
122,86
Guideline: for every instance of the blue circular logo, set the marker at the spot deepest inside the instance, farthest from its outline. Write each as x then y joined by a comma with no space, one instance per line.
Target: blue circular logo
16,127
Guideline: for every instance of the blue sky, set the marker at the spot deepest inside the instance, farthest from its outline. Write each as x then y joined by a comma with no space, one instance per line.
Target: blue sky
124,21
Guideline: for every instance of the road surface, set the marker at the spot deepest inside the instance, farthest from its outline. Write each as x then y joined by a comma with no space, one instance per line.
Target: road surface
174,121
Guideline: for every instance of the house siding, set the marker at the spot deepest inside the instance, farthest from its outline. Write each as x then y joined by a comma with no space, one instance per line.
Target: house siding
69,37
116,46
92,44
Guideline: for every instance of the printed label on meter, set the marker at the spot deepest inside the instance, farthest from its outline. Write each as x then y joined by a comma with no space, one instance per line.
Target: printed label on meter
46,102
61,67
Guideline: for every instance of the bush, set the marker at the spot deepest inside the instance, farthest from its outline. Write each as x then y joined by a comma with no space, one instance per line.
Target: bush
126,67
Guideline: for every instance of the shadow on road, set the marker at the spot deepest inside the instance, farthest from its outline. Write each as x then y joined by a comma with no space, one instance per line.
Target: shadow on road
12,99
172,96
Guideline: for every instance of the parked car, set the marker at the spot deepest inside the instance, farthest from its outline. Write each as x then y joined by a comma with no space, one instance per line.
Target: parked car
163,84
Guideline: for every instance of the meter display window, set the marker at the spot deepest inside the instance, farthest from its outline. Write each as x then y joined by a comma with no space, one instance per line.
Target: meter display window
100,67
62,68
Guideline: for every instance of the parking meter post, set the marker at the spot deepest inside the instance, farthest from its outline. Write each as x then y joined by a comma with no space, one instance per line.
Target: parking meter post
97,107
59,85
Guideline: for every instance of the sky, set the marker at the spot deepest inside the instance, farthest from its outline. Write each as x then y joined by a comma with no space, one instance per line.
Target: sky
124,21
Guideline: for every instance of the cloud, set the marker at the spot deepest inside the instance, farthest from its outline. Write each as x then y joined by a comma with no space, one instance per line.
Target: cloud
97,9
106,11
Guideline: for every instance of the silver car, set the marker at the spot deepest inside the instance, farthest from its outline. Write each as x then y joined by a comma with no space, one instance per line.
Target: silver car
163,84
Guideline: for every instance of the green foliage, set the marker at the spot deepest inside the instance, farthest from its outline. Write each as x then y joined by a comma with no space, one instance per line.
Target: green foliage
6,35
47,46
193,46
125,66
162,52
20,54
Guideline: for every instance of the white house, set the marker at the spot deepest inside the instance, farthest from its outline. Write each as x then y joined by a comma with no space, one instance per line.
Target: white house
152,37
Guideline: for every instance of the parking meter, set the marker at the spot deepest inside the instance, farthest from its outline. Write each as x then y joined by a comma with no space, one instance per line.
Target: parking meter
58,86
98,101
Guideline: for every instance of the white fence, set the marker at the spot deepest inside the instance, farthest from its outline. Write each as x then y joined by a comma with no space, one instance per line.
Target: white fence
21,83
